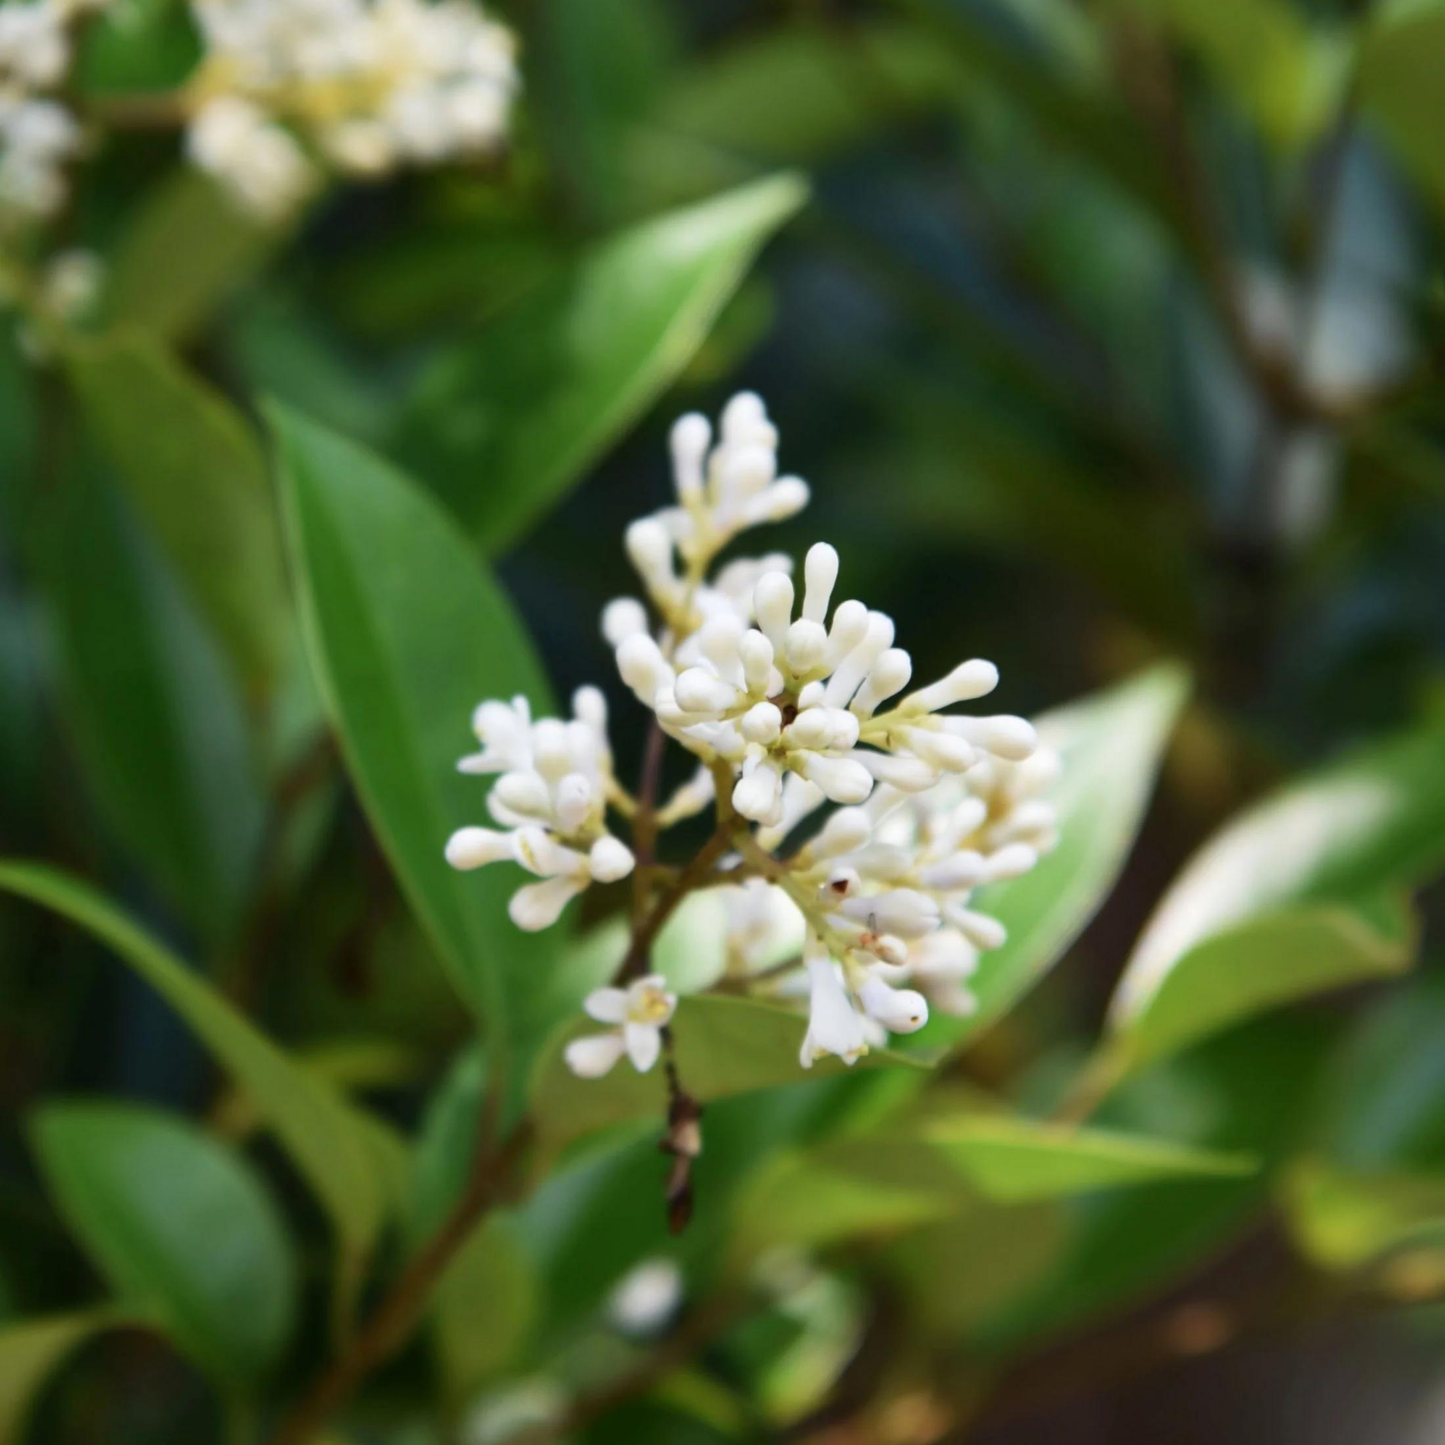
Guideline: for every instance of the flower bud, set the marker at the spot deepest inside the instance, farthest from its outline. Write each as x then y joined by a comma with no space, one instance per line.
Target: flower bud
476,847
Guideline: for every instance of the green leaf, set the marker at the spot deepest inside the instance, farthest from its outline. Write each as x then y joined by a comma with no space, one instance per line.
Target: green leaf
1399,87
186,247
485,1308
1017,1160
723,1046
407,633
1271,960
1317,868
1111,745
157,720
31,1351
198,477
1343,1220
323,1135
448,1142
504,423
180,1226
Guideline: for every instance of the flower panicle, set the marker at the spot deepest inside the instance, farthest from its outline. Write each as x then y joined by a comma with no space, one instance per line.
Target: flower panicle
791,702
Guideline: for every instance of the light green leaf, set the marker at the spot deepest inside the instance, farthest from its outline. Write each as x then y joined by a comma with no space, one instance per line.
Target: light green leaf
448,1142
198,477
1399,85
1016,1160
323,1136
1271,960
31,1351
180,1226
723,1045
1111,745
156,718
1339,843
184,250
1344,1220
881,1183
485,1308
503,424
407,633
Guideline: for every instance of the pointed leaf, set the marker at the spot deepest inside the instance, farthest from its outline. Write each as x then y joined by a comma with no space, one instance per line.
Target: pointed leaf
324,1137
1325,857
157,720
198,477
1347,1220
503,424
407,633
180,1226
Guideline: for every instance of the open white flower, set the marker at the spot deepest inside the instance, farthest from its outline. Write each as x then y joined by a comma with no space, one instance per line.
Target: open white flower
640,1012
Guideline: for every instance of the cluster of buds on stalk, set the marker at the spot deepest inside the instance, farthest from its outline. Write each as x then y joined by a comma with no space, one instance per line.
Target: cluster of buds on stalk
291,89
39,136
789,708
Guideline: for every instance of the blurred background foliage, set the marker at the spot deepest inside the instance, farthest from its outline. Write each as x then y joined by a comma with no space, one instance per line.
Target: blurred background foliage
1106,332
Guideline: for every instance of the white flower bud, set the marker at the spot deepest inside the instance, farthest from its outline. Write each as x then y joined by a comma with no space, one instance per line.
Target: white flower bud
903,911
758,792
538,852
756,653
1007,737
621,618
745,421
962,870
843,780
610,860
773,607
589,706
850,672
785,498
476,847
690,439
899,1010
908,775
967,681
889,674
699,691
847,830
805,647
850,627
539,905
643,667
650,549
843,882
1011,862
762,724
978,928
593,1056
820,572
520,796
834,1026
574,801
942,750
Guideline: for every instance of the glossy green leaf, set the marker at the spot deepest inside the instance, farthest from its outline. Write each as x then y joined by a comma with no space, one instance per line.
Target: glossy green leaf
1111,745
504,423
30,1353
1399,87
724,1046
1316,868
1277,958
156,718
198,477
407,633
184,250
1344,1220
179,1225
485,1308
321,1133
1017,1160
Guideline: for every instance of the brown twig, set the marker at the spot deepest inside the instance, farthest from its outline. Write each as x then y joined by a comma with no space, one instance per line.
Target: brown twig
395,1318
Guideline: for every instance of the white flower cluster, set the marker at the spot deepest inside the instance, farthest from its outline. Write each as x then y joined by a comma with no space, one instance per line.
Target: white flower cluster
38,134
289,88
551,796
789,708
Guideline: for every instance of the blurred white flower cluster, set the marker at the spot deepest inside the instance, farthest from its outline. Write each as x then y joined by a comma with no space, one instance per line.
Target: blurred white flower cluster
38,134
789,708
288,89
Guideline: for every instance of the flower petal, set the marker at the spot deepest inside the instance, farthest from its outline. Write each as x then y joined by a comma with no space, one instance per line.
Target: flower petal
606,1005
644,1043
593,1055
